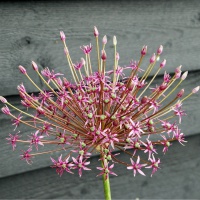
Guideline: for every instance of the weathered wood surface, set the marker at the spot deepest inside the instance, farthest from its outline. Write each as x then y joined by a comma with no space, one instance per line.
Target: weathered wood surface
178,178
190,126
30,31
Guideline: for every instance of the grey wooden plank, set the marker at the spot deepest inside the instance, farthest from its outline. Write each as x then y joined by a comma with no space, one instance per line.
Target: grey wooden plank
178,178
30,31
190,126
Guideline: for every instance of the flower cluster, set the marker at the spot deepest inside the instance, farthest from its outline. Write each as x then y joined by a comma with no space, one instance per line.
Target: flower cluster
101,111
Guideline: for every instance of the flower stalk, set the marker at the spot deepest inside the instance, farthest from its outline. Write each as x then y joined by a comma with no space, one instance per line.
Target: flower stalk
106,184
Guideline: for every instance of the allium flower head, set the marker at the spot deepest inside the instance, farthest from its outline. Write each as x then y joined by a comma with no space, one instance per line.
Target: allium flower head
101,111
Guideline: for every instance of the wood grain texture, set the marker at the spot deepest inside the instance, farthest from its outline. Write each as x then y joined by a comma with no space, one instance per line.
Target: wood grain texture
189,126
178,178
30,31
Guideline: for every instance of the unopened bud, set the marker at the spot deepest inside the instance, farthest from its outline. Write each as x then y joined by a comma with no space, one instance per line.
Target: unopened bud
21,88
144,50
144,100
183,77
180,94
131,86
160,50
116,122
6,110
3,100
22,69
114,40
163,87
163,63
195,90
96,32
103,55
62,36
178,69
153,58
34,65
178,75
104,40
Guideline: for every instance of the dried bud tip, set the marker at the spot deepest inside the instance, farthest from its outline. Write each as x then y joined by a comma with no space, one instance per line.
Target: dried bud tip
163,63
66,51
114,40
34,65
160,50
96,32
180,94
153,58
22,69
104,40
144,50
3,100
103,55
196,89
183,77
62,36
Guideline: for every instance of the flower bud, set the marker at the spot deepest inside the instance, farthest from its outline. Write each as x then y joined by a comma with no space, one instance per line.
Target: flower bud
163,86
116,122
144,50
178,69
21,88
3,100
160,50
180,94
163,63
195,90
103,55
6,110
62,36
22,69
96,32
144,100
104,40
153,58
178,75
34,65
114,40
131,86
183,77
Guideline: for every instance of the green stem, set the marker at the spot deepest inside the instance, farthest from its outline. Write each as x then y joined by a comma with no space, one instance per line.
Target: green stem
106,184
